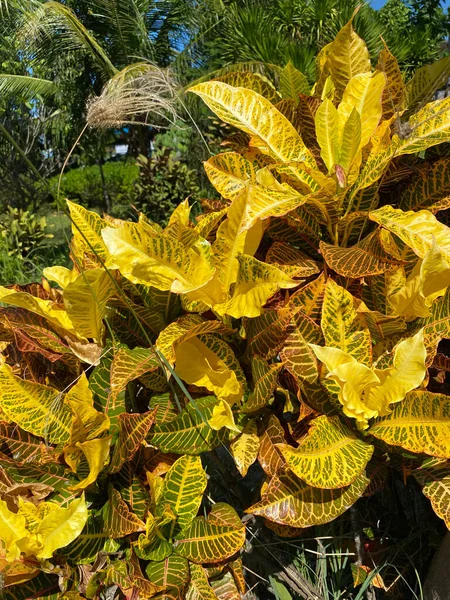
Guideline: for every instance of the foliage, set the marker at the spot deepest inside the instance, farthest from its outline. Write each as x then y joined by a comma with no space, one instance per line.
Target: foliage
290,329
22,231
84,184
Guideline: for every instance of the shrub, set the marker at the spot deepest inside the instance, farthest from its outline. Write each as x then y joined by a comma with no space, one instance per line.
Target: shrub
289,330
84,184
22,231
164,182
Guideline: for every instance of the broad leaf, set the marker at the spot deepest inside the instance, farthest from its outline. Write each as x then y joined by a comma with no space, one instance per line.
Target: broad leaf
182,490
128,365
290,501
118,519
293,83
343,327
366,258
245,448
229,173
271,435
190,432
36,408
85,300
428,188
416,229
199,588
330,456
255,115
421,424
264,381
434,476
206,542
163,262
133,429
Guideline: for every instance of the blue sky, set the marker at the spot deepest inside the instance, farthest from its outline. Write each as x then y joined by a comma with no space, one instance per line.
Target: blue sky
380,3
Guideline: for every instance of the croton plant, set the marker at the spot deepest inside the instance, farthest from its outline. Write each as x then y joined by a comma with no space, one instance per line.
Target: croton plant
291,325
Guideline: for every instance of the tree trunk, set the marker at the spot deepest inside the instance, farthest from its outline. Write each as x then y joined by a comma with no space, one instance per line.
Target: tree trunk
106,197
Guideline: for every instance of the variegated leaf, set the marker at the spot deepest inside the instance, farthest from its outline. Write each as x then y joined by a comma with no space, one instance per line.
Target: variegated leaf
133,429
265,377
190,432
330,456
290,501
420,423
343,327
366,258
245,448
255,115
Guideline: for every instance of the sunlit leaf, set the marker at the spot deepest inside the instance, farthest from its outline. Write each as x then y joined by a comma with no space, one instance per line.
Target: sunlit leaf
255,115
290,501
245,448
421,423
330,456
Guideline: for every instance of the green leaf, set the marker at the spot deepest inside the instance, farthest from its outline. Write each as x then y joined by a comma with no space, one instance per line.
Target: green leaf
172,574
434,476
189,433
128,365
264,381
183,489
428,188
206,542
293,83
199,588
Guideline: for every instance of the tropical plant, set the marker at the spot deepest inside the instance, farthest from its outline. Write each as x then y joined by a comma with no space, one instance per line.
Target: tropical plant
21,231
289,329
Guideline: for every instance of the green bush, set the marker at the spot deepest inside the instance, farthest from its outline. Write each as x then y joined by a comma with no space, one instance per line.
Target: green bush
22,231
84,184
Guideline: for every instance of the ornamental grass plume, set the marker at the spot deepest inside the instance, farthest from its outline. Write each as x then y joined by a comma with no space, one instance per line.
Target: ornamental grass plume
141,91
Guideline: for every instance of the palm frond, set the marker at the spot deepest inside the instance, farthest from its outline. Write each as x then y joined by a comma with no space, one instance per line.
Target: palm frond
26,86
52,25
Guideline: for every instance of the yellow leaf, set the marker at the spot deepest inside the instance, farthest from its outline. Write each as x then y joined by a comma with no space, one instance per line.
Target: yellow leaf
48,309
232,239
180,214
38,409
255,115
62,526
12,530
163,262
87,422
428,280
330,456
96,453
345,57
416,229
327,133
350,144
222,416
354,380
256,283
406,374
343,327
60,275
86,228
363,93
229,173
85,300
245,448
198,365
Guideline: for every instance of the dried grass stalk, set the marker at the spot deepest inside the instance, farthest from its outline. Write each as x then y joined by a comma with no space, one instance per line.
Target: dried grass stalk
140,92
